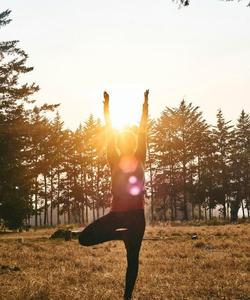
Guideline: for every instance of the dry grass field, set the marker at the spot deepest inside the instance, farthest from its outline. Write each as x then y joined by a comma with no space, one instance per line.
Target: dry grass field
215,266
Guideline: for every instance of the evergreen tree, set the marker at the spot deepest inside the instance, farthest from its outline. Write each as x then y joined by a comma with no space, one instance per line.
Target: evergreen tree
15,182
204,185
241,166
189,127
178,132
222,138
59,145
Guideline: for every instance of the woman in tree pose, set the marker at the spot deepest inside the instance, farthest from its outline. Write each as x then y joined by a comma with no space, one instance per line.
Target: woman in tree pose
126,219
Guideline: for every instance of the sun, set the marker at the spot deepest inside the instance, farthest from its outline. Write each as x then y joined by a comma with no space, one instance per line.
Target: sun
124,114
125,104
120,120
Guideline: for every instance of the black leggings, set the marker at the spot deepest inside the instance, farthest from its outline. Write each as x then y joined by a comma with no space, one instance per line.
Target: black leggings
105,229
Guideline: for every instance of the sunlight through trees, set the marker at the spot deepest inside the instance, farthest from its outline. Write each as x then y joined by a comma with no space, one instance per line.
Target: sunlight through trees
192,167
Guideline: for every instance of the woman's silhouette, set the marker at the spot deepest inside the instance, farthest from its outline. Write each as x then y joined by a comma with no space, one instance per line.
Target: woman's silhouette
126,219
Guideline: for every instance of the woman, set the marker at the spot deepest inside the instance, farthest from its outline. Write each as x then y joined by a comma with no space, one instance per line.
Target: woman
126,219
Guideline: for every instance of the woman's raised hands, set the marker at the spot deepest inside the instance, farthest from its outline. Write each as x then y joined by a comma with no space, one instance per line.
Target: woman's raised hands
106,102
146,95
106,108
106,96
145,104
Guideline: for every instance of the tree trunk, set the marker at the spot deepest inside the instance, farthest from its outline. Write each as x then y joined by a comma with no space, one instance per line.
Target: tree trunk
151,185
210,213
171,206
200,214
51,200
224,207
69,216
87,212
243,209
97,191
45,220
75,205
205,212
185,212
227,203
36,203
234,210
93,209
83,216
165,208
175,208
193,207
97,210
248,207
82,198
58,197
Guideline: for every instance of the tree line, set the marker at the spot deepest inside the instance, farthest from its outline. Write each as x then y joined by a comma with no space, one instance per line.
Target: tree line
197,167
192,167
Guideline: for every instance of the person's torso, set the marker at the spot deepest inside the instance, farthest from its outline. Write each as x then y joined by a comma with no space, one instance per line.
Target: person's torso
127,184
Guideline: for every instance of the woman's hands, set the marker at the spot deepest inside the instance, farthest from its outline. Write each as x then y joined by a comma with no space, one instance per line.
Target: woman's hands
106,108
106,102
145,104
146,95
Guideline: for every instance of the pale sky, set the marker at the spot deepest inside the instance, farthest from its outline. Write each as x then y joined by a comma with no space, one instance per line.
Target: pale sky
81,47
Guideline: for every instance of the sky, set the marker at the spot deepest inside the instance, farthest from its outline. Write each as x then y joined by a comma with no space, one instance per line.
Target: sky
80,48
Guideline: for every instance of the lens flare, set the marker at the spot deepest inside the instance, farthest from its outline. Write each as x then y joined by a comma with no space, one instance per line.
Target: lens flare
135,190
132,179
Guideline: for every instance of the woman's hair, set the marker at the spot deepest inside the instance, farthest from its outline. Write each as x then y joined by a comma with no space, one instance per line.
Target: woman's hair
127,142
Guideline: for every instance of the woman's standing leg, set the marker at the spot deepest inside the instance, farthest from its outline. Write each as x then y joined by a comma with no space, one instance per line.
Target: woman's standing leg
132,242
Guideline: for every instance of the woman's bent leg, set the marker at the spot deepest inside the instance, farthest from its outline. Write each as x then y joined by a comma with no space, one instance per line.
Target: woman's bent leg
101,230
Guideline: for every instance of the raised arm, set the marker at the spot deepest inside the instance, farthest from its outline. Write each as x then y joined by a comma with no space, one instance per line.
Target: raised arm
106,110
112,154
142,131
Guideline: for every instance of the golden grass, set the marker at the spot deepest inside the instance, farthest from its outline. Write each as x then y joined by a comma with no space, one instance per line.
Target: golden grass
216,266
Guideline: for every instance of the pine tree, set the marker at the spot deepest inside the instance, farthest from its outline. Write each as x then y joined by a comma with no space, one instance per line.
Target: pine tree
222,137
15,182
151,166
204,185
241,166
189,126
166,162
178,132
58,140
